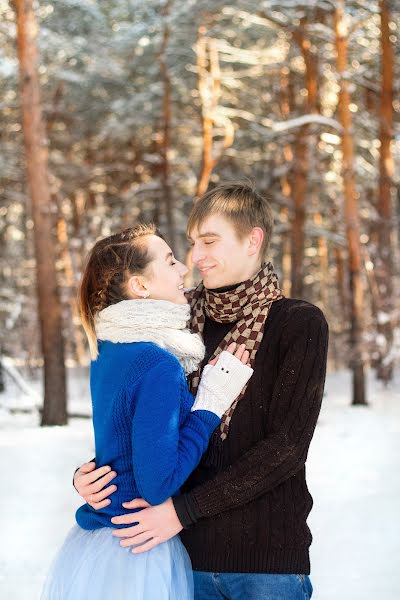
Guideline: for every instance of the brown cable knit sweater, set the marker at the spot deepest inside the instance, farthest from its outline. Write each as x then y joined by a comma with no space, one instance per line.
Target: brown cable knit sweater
245,507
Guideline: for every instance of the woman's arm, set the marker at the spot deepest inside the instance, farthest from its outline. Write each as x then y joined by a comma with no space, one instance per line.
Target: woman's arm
166,447
216,392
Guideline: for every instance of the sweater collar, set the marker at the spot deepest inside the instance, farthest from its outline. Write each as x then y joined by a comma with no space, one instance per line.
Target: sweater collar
227,288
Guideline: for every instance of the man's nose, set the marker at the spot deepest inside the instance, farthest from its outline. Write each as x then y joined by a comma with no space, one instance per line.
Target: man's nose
197,254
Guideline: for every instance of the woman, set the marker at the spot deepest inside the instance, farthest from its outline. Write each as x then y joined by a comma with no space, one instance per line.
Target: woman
147,425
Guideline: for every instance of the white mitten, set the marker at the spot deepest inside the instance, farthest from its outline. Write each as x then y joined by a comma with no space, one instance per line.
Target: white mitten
221,384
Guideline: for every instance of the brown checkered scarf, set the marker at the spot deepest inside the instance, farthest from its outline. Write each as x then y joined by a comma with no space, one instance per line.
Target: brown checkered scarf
247,306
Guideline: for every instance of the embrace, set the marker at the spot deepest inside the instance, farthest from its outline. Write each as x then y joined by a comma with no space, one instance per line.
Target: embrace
204,402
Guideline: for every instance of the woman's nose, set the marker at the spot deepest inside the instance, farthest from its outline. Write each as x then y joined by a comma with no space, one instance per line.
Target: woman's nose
184,269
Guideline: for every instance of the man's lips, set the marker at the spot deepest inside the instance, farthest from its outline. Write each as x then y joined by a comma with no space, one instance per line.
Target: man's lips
204,270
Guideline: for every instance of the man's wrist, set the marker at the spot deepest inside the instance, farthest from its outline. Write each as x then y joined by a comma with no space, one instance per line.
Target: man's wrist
186,510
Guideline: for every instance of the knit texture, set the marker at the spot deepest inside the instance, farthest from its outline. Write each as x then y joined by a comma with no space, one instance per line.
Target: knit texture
159,321
245,506
143,424
246,308
221,384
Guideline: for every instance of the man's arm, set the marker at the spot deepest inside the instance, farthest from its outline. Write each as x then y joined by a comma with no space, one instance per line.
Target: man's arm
297,397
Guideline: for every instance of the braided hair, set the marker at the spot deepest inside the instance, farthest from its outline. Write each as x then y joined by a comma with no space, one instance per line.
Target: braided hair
109,265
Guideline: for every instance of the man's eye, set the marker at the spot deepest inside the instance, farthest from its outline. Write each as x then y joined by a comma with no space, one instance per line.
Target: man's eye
173,263
208,243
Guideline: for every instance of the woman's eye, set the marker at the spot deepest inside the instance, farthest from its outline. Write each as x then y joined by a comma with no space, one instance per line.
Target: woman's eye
208,243
173,263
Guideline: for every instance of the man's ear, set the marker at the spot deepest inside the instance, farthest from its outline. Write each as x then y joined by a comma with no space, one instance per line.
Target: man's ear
256,239
137,287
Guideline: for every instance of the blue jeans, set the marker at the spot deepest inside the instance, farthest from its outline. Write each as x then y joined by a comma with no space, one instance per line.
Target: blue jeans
250,586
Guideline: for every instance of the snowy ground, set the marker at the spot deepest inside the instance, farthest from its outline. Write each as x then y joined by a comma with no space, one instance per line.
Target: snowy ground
353,475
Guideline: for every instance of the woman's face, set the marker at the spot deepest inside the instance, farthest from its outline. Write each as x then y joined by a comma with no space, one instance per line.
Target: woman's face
163,278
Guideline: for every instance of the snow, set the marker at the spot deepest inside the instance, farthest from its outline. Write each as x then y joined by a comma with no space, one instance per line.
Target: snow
353,475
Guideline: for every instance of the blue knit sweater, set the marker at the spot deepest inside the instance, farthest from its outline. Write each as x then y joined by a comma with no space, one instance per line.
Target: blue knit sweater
143,425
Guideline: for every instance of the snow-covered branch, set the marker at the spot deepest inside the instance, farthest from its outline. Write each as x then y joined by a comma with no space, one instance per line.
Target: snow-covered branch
282,126
300,121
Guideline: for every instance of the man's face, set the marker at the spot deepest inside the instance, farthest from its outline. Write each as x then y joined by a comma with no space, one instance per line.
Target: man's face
221,257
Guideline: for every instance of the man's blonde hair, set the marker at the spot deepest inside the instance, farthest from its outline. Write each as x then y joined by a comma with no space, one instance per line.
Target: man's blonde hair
241,204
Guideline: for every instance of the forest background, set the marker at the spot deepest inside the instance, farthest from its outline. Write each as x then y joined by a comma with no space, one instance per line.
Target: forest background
117,111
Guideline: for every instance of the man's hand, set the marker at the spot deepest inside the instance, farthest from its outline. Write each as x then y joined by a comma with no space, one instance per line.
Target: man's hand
155,524
89,482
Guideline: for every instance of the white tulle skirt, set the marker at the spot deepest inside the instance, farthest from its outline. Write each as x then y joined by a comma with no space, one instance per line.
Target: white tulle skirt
91,565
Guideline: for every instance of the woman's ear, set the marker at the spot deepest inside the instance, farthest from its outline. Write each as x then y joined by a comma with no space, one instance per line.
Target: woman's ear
256,239
137,288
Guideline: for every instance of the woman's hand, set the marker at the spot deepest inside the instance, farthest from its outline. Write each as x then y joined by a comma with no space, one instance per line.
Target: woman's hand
90,483
239,352
223,379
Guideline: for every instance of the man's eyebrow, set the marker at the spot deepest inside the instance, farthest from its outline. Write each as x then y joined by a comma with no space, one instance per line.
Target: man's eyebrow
204,235
169,255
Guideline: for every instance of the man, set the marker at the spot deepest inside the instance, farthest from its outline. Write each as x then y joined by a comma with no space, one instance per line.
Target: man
242,513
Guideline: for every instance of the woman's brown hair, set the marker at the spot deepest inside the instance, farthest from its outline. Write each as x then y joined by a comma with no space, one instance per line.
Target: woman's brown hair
109,264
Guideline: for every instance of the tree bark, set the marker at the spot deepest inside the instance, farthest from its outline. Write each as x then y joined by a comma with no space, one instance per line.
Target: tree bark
166,131
301,161
341,281
350,209
36,153
384,270
207,161
209,84
323,256
2,385
286,100
77,339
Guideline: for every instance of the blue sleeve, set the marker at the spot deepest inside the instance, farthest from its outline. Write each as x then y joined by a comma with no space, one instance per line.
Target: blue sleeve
165,447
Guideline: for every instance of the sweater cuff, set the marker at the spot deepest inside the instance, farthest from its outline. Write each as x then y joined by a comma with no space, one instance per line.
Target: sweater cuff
186,509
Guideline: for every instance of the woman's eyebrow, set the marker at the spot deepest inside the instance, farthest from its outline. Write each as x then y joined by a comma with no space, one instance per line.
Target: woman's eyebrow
169,255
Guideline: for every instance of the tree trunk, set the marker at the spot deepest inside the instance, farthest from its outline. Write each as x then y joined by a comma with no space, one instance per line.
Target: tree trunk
341,281
350,209
301,162
2,385
166,130
77,339
384,271
204,83
323,256
299,189
209,84
54,407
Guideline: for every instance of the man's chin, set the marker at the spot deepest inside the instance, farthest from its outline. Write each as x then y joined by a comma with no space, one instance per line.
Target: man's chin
207,281
211,283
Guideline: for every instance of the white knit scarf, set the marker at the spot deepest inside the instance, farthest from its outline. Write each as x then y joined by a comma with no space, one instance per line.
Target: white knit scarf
159,321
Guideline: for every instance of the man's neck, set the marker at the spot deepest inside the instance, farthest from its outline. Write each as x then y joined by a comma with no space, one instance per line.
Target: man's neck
226,288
